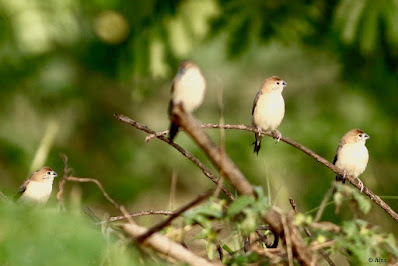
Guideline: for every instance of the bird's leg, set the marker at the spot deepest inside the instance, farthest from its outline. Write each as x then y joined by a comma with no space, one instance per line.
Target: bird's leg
260,131
344,175
278,135
360,183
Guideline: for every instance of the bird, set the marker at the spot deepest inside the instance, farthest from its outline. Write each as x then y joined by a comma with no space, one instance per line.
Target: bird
352,156
268,109
188,89
37,188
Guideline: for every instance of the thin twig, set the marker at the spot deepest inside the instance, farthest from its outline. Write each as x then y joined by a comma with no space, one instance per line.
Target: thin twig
323,204
177,213
136,214
188,155
61,184
95,181
376,199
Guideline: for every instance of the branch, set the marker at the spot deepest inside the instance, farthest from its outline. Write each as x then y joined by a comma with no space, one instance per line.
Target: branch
136,214
219,160
165,246
308,233
188,155
239,181
95,181
376,199
177,213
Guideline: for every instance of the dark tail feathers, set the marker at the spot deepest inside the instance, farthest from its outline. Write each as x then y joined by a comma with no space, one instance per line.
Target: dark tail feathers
338,180
173,130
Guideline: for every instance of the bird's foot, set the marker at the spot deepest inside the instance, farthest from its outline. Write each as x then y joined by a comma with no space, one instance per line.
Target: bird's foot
360,183
260,131
278,135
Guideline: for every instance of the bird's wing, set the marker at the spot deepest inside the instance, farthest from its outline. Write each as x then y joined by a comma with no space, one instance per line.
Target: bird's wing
171,99
23,187
256,100
337,152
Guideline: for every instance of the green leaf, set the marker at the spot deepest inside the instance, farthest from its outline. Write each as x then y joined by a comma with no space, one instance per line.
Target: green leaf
350,228
364,203
239,204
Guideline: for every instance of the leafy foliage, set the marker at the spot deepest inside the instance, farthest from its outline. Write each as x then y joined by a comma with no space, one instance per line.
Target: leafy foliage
45,236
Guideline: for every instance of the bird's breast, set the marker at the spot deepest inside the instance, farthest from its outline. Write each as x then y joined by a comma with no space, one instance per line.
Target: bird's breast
269,111
37,192
353,158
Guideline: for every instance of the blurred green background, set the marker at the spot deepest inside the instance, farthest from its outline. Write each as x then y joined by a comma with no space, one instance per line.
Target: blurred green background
67,66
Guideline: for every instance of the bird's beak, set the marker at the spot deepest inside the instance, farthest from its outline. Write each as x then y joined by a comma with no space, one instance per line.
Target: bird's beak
55,174
366,136
284,83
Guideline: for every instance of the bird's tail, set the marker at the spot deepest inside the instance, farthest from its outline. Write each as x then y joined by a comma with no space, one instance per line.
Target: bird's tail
173,130
338,180
257,143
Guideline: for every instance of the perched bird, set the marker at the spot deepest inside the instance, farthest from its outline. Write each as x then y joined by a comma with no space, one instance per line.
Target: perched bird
37,188
268,108
188,89
352,155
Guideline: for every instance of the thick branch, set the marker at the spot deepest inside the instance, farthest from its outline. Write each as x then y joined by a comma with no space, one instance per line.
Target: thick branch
221,161
192,158
239,181
165,246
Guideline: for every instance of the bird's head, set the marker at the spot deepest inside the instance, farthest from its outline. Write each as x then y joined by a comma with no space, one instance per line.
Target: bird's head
355,136
44,174
186,65
274,84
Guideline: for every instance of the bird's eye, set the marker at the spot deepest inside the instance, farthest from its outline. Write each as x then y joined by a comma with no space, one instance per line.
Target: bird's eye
49,173
360,135
277,83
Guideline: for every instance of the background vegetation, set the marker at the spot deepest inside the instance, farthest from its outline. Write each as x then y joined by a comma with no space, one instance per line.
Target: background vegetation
67,66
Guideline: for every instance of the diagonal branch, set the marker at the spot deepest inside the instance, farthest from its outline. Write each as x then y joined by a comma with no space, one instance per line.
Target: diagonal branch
376,199
206,171
177,213
164,245
239,181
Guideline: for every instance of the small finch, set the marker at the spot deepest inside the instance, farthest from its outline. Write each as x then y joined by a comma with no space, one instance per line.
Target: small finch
37,188
352,155
188,89
268,109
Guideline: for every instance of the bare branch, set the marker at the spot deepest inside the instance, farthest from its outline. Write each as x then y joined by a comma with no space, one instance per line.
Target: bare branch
323,205
376,199
136,214
222,162
188,155
95,181
177,213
